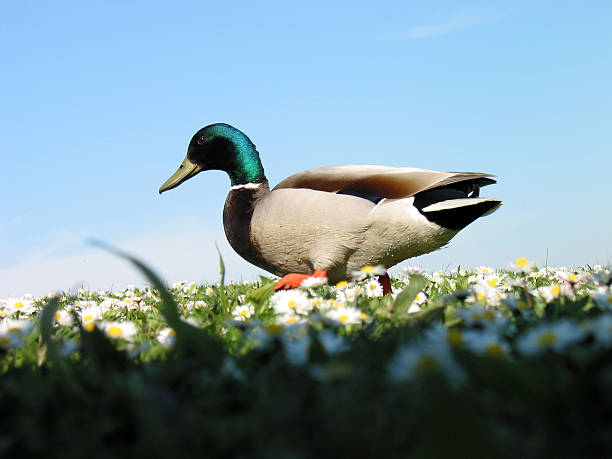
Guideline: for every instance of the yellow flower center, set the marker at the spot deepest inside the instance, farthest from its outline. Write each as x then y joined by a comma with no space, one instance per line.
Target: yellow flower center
14,330
556,290
244,313
115,331
426,364
4,341
291,304
171,333
343,318
373,286
363,316
454,337
292,320
495,350
18,305
88,318
485,315
546,339
342,284
521,262
368,269
480,296
493,282
89,326
276,328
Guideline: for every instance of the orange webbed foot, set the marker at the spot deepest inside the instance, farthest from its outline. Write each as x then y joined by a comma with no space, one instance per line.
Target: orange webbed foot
294,280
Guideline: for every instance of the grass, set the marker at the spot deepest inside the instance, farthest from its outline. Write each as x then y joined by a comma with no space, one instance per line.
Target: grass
467,363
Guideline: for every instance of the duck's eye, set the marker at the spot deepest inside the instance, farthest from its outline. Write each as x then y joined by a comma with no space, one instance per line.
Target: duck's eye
201,140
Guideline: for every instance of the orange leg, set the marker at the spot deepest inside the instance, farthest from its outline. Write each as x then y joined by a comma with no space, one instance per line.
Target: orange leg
385,281
294,280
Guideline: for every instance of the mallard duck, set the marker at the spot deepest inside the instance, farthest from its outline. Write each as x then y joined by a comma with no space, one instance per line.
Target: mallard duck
332,221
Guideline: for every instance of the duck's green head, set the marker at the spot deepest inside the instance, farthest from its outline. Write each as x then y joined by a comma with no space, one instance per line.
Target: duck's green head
222,147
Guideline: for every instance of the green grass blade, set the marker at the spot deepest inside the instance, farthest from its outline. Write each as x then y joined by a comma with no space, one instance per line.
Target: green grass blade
221,266
224,301
168,306
407,296
46,329
189,339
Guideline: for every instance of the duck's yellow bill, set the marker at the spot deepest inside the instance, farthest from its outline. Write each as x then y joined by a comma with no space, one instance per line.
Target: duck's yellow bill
186,170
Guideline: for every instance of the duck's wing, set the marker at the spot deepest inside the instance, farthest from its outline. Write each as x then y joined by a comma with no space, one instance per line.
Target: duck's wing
381,181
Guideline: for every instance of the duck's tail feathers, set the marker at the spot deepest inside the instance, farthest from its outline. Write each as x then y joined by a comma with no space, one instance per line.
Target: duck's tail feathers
456,214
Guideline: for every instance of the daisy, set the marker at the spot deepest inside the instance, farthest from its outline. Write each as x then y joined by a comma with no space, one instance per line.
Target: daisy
289,319
124,330
345,315
368,271
484,317
487,292
484,270
348,294
63,317
12,332
418,300
22,305
313,281
424,357
555,337
410,270
295,301
373,288
602,276
243,312
603,298
166,337
9,340
414,308
486,343
89,316
548,292
522,265
107,304
438,333
601,328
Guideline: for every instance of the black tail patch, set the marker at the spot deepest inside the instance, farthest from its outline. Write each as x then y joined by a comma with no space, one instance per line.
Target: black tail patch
459,217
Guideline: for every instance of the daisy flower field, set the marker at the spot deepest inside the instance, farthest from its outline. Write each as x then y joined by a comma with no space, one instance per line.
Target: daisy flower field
506,362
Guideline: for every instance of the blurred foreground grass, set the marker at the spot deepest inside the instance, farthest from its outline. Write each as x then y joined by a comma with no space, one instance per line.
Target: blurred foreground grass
469,363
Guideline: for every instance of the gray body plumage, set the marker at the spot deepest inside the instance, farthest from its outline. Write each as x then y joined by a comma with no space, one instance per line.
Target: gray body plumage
316,220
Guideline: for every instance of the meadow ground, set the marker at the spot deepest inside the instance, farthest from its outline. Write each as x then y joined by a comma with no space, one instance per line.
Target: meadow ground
467,363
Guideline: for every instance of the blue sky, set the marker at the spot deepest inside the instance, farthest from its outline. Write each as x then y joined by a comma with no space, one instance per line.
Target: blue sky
99,101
